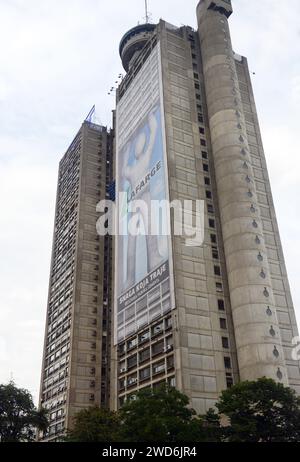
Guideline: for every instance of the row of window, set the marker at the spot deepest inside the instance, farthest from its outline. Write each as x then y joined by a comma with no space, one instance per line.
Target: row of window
131,396
163,346
212,223
160,367
154,331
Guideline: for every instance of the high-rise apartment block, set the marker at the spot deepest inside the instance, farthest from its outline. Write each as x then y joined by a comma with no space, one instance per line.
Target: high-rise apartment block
199,317
76,367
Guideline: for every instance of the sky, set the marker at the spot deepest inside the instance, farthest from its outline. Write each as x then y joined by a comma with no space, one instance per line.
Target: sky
58,58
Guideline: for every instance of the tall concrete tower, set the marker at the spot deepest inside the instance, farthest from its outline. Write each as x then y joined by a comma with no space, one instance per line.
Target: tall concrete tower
256,326
76,358
200,318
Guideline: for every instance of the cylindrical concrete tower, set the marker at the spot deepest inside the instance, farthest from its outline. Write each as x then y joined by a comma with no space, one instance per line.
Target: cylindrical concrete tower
257,332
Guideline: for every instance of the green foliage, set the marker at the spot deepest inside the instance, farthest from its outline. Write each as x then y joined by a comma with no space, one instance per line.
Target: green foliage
18,416
95,425
159,415
260,411
211,429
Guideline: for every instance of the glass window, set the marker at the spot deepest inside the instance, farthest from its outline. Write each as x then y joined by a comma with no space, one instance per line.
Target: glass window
159,367
223,323
144,355
227,362
225,342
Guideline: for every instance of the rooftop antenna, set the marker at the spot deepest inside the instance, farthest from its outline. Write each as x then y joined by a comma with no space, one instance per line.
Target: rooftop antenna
147,12
90,115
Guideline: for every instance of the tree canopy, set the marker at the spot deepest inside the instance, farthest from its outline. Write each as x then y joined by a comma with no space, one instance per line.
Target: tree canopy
260,411
160,415
95,425
19,418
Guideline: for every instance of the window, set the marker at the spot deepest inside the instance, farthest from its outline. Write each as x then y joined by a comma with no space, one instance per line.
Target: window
132,343
144,355
213,237
132,361
198,97
208,195
221,305
227,362
215,253
225,342
202,130
145,373
207,181
204,154
197,86
158,368
144,337
156,330
194,56
217,271
168,323
211,223
158,348
229,381
132,380
205,167
223,323
158,385
219,287
203,142
210,208
172,381
170,362
122,367
196,76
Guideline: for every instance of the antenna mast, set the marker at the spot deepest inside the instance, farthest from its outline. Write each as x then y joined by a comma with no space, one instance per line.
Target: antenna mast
146,10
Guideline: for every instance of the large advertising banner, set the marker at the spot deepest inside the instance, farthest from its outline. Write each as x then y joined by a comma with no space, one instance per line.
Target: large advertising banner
144,280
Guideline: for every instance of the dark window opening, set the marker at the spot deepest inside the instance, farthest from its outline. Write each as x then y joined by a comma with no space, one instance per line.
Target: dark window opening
217,270
227,362
221,305
225,342
223,323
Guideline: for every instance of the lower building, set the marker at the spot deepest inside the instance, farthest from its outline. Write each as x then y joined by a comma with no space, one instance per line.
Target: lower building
75,371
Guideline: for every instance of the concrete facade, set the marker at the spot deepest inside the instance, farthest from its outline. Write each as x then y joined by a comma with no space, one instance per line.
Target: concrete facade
234,319
247,215
76,366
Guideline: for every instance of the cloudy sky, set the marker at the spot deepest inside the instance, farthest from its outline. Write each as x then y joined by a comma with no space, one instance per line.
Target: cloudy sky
58,58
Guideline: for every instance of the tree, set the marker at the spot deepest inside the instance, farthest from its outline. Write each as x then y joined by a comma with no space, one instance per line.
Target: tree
260,411
19,418
211,429
95,425
159,415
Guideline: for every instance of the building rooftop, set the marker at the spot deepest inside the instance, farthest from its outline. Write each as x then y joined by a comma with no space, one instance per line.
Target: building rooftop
133,41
